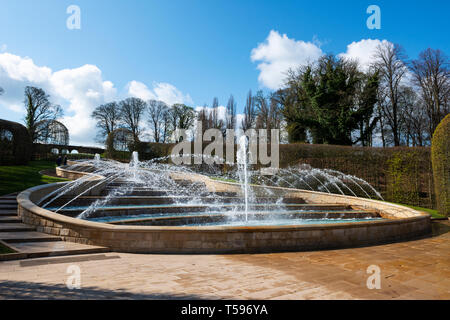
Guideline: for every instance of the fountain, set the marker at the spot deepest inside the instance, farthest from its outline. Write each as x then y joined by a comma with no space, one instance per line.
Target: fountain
205,209
97,158
243,171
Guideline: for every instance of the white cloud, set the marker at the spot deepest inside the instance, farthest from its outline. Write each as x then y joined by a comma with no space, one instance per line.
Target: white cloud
222,111
140,90
363,51
3,48
278,54
77,90
16,108
84,89
23,69
169,94
161,91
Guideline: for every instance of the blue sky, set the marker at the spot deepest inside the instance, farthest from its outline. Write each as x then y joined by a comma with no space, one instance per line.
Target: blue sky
201,49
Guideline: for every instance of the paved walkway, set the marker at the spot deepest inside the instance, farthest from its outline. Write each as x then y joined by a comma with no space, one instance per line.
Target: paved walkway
27,242
417,269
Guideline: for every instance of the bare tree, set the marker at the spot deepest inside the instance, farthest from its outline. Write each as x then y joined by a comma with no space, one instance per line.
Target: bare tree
414,120
215,121
389,62
181,117
249,112
268,112
275,113
39,110
108,119
166,127
231,113
432,75
203,118
263,111
380,114
131,111
156,111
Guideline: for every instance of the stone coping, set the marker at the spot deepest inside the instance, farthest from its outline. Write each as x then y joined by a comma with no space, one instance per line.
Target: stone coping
401,223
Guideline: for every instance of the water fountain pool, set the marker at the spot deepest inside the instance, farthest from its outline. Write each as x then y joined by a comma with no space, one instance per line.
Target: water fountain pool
152,206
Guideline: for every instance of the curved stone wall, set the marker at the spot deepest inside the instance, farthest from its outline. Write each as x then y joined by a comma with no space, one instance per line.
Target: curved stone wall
402,224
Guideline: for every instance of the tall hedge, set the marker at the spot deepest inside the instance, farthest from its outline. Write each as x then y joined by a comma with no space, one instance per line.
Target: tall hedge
402,183
14,150
440,157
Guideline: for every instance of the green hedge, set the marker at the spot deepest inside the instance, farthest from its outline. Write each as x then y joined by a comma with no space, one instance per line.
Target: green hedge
400,174
440,151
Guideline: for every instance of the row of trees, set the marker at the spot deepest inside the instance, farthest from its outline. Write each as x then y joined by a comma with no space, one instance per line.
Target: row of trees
260,112
132,112
332,101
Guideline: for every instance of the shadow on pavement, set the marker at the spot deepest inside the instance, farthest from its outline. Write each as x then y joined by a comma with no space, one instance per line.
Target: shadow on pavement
41,291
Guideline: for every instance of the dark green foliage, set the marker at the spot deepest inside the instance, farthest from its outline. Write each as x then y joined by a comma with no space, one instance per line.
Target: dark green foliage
39,110
15,143
331,100
403,170
153,150
375,165
120,145
440,155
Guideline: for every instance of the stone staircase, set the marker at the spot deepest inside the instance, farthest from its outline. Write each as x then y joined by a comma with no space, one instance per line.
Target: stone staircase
27,243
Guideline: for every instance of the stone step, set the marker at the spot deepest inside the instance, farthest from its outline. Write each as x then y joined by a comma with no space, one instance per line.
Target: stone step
106,191
186,183
150,200
56,248
8,213
9,197
178,209
147,192
27,236
10,219
177,220
13,227
8,201
8,206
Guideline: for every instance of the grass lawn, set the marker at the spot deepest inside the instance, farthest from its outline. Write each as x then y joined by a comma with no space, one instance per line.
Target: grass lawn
434,213
18,178
224,179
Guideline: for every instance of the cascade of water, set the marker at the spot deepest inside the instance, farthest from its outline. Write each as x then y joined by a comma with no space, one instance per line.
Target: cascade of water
109,179
242,166
139,178
97,159
351,178
134,164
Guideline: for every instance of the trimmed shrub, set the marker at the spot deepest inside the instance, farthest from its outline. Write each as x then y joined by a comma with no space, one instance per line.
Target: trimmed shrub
15,143
402,184
440,157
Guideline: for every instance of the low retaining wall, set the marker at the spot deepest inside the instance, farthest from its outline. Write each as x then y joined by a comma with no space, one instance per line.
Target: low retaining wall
403,224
